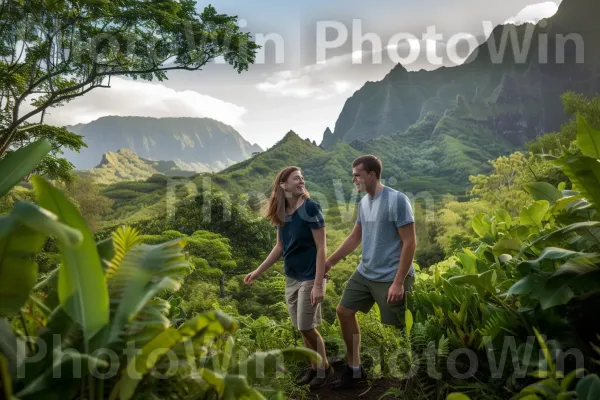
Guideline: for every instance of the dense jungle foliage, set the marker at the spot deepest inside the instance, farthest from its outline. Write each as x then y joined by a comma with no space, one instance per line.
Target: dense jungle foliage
503,306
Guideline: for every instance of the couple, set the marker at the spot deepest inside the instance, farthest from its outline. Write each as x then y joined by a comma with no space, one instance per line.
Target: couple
385,226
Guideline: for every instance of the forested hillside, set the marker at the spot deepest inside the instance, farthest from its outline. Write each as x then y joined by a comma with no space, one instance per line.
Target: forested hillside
198,144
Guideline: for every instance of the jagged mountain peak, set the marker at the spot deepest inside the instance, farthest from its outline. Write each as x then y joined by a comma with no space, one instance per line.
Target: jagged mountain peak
522,80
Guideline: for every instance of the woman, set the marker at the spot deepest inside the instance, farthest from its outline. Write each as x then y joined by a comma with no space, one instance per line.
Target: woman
301,241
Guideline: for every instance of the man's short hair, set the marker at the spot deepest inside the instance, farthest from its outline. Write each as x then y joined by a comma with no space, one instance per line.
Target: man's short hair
370,163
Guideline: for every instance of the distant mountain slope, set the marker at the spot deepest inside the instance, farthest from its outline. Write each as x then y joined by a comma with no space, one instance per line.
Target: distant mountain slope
125,165
257,173
523,93
202,143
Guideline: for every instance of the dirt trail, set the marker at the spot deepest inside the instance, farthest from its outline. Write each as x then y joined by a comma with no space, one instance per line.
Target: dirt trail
367,391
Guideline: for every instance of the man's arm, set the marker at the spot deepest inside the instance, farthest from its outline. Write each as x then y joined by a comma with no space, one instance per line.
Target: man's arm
350,244
409,245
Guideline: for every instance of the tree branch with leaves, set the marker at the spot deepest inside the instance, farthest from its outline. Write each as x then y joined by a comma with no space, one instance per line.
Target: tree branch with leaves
52,51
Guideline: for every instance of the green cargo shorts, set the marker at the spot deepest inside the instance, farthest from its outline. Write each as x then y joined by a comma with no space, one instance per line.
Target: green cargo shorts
361,293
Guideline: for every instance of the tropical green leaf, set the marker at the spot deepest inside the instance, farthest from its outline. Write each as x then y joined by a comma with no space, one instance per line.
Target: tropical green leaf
529,284
570,377
45,222
145,271
588,388
588,138
575,227
485,280
543,191
554,295
408,318
263,364
506,245
5,378
480,225
47,381
469,261
81,284
534,214
554,254
11,347
18,270
503,216
124,239
203,327
584,173
17,165
457,396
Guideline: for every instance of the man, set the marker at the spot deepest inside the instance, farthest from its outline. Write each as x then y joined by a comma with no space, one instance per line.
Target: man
385,226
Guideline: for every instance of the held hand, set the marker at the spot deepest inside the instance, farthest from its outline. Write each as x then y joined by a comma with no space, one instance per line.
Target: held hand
395,293
328,265
251,277
316,295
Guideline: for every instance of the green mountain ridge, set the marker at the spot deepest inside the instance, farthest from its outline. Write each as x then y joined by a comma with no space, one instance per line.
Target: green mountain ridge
125,165
491,106
193,143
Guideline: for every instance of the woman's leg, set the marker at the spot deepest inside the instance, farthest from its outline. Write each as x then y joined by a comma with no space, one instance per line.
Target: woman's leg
308,345
314,341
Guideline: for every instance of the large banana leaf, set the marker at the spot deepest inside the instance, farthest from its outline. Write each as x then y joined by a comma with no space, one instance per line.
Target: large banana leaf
584,173
71,368
22,235
81,284
230,386
18,270
543,191
15,166
588,138
11,347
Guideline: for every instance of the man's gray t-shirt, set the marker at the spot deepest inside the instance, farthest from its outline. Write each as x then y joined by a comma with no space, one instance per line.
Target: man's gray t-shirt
380,217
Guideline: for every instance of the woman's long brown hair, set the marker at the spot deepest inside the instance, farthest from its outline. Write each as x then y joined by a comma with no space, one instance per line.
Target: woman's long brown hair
275,209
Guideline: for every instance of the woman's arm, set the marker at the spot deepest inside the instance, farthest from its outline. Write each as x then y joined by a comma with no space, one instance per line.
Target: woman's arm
320,241
271,259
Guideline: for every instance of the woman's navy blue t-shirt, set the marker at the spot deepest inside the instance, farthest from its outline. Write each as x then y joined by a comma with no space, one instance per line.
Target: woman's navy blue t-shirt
299,249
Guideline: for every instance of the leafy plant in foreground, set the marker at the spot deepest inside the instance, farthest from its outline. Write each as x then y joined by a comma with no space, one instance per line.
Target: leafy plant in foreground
108,302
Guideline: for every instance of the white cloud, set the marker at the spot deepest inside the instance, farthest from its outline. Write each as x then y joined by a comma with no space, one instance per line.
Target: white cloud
534,13
140,98
331,77
305,83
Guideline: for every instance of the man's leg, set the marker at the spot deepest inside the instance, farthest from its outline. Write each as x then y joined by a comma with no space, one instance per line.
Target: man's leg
356,297
350,333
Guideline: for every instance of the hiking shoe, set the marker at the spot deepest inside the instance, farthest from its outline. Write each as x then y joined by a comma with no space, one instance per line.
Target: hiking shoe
321,378
307,376
349,378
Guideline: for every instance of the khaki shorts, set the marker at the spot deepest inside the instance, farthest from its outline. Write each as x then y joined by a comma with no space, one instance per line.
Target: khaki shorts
304,315
361,293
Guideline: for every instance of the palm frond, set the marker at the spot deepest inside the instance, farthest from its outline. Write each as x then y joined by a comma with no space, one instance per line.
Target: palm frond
145,271
125,238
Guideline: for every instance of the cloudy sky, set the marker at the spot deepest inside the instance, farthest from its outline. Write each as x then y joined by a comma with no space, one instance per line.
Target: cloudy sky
312,61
